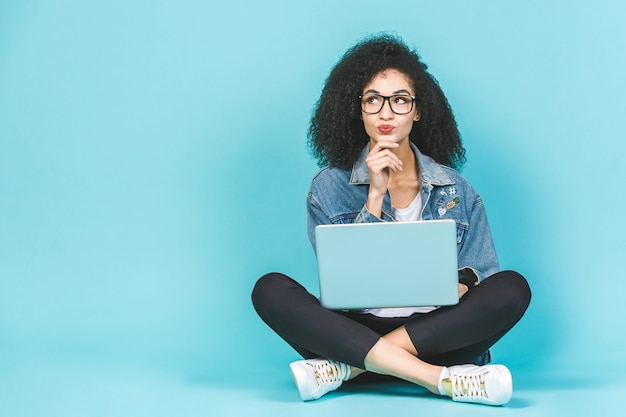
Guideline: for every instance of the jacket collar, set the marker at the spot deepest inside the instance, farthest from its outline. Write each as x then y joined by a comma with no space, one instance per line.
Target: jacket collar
431,173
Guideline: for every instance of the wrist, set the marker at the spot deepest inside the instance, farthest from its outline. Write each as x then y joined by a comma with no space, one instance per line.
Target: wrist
375,195
374,204
468,278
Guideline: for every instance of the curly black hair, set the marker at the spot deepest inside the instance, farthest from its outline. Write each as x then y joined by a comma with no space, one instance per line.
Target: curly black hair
336,134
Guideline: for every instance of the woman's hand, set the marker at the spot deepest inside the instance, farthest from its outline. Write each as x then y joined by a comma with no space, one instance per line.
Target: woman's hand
380,161
463,289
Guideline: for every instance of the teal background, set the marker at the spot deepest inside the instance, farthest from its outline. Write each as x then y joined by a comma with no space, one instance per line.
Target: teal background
153,166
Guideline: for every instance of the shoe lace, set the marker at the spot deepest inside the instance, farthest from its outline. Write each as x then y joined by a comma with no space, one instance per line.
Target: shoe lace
469,386
326,372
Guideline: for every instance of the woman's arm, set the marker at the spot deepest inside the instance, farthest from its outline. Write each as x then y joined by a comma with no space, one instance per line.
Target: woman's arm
317,216
380,161
477,250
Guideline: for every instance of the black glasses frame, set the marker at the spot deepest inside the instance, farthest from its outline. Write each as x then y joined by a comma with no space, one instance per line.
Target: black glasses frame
387,98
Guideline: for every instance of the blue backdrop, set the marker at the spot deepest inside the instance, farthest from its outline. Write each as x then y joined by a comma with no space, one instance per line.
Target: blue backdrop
153,166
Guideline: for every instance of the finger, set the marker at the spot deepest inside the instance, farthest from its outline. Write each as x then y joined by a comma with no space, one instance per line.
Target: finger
378,167
462,290
384,144
385,159
381,153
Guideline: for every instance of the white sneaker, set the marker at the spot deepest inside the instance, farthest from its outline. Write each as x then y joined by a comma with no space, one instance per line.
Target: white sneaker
316,377
488,384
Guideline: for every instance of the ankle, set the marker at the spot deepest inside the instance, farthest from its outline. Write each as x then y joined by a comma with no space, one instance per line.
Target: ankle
445,384
354,372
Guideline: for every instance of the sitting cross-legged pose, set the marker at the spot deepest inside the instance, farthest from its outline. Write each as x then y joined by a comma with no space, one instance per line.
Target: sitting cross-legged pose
388,144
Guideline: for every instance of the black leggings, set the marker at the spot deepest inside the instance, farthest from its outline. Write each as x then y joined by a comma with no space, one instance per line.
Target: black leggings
447,336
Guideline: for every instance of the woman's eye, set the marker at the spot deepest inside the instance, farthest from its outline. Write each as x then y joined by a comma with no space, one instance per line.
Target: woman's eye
372,100
400,100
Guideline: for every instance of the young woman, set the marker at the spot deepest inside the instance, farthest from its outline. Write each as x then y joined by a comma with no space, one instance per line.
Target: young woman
386,137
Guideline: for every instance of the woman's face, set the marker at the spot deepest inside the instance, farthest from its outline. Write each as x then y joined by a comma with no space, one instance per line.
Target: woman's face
386,124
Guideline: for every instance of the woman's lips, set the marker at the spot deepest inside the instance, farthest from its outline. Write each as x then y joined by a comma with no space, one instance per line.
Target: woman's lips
385,129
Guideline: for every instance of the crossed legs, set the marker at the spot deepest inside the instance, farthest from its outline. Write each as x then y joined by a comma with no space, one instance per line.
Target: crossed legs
395,355
448,336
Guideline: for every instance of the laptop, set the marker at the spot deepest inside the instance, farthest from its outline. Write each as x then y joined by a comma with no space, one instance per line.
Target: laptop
388,264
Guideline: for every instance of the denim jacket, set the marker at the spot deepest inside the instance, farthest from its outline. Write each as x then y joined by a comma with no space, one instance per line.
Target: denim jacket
339,196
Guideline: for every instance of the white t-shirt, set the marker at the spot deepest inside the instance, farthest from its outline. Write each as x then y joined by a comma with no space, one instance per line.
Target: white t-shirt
411,213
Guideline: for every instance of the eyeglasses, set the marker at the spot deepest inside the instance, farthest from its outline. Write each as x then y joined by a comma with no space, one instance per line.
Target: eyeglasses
399,104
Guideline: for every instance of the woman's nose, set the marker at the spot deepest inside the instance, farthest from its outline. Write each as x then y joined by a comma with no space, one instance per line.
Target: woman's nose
385,111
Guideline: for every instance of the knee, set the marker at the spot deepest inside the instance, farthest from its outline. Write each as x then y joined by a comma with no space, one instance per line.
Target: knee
514,289
267,289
